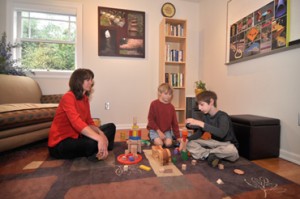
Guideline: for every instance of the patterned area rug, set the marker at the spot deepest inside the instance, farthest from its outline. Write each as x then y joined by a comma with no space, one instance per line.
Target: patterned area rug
29,172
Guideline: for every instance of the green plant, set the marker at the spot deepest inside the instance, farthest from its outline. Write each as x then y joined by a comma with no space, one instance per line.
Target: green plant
200,85
8,65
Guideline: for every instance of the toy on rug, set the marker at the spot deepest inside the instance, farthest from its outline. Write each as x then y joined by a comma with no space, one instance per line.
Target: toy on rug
146,142
239,171
144,167
221,166
206,136
134,141
134,146
122,136
194,162
182,147
163,156
129,158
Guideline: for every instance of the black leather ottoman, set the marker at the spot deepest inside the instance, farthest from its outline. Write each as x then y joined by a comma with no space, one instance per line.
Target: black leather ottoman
259,137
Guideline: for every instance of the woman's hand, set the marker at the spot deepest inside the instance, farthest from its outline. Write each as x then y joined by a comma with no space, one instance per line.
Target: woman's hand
96,134
102,148
104,137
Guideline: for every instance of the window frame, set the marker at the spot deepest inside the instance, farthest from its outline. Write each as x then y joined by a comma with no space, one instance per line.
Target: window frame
55,7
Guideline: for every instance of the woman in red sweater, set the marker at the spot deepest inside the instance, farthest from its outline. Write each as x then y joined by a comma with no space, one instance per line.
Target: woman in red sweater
73,132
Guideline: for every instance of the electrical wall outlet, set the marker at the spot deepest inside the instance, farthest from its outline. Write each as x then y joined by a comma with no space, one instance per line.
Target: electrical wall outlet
107,106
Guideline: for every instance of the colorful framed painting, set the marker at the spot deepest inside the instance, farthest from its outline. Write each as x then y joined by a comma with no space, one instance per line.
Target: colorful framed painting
121,32
260,32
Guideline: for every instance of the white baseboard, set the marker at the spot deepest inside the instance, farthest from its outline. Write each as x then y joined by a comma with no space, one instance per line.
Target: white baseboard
292,157
129,126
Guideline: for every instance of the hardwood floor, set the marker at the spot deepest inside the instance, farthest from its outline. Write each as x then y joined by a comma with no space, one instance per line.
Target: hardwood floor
279,166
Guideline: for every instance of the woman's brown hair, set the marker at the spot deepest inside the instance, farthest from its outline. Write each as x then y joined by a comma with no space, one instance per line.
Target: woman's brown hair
77,79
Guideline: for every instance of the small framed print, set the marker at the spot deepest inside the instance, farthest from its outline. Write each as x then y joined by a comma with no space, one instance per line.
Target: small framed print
121,32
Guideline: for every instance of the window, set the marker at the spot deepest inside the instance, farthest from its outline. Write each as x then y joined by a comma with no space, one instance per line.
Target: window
48,40
50,34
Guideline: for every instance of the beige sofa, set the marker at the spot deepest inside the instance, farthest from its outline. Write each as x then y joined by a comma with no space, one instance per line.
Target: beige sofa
25,114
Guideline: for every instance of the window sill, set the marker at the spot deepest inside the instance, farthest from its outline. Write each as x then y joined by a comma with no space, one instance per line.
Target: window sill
50,74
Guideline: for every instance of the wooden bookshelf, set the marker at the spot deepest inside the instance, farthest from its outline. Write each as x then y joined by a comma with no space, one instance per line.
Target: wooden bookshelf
172,61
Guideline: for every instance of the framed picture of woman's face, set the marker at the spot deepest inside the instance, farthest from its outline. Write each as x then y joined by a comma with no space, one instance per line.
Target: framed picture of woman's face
121,32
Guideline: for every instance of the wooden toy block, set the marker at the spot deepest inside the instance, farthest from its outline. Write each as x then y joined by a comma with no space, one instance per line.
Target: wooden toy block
183,143
206,136
239,171
220,181
163,156
194,162
161,170
134,149
146,168
184,155
184,135
134,145
131,158
124,157
221,166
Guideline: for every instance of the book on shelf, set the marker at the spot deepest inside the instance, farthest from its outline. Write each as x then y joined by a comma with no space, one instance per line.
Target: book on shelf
181,79
180,56
167,78
173,55
174,30
174,79
167,52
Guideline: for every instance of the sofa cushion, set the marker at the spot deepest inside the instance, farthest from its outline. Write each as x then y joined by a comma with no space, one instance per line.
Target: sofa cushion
24,130
17,115
19,89
51,98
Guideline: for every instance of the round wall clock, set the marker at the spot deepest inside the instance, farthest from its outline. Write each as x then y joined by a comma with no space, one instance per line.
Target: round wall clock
168,10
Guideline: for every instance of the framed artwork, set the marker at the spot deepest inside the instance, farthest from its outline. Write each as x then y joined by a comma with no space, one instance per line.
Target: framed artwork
260,32
121,32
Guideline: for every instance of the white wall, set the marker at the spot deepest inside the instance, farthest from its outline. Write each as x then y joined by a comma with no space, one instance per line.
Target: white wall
129,84
266,86
2,16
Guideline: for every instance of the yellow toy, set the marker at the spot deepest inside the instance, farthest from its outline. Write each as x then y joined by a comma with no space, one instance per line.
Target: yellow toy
145,168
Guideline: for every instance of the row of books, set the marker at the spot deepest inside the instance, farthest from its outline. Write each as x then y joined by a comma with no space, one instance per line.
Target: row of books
174,79
174,30
174,54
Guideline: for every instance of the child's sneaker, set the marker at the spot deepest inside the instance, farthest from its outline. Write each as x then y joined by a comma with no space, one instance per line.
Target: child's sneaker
213,160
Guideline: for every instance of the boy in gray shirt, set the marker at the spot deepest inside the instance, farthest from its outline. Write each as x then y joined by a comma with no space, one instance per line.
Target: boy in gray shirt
223,143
